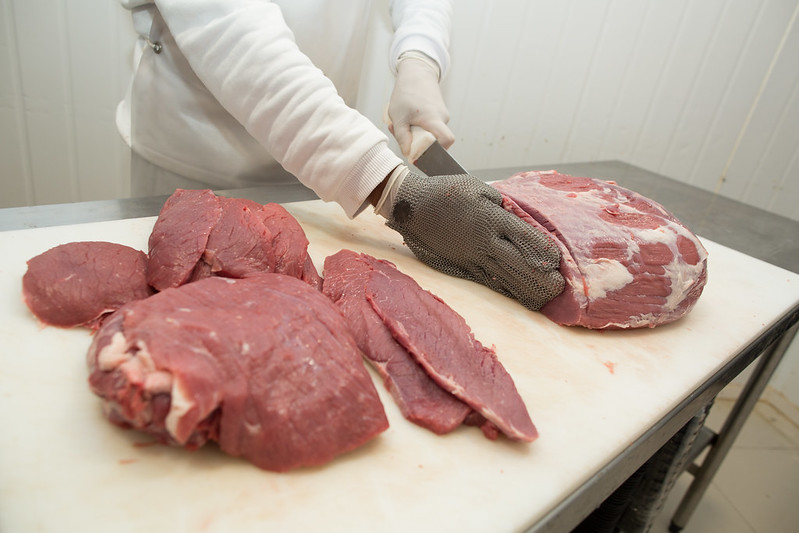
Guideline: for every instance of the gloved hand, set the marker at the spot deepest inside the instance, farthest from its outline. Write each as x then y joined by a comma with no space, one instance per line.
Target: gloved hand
456,224
416,101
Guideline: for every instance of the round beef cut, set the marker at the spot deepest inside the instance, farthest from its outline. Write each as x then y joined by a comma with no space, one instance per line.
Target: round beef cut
79,283
265,366
627,261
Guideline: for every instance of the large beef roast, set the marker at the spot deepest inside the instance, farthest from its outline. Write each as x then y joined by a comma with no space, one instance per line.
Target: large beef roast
264,365
627,261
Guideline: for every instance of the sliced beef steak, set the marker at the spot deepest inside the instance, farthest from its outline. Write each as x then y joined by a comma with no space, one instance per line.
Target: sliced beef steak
78,283
213,360
425,334
420,399
627,261
443,344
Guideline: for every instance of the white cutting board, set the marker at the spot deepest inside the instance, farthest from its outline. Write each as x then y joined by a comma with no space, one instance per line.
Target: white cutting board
64,468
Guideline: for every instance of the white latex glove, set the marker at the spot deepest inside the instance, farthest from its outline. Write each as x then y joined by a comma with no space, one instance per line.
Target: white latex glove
417,101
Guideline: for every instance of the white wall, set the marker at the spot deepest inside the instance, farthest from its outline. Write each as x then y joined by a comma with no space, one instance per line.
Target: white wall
703,91
63,68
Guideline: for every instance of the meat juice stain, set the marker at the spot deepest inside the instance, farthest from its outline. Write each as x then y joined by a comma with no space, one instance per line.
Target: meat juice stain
127,461
611,366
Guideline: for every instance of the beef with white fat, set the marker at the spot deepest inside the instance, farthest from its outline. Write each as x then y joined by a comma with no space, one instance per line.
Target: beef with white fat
627,261
264,365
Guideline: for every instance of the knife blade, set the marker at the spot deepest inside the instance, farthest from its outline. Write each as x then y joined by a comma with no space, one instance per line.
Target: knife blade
427,154
436,161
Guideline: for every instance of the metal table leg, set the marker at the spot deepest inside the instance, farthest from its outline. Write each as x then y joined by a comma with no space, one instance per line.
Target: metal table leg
732,426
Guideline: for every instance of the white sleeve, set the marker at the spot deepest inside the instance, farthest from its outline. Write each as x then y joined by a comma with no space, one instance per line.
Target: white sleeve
245,54
422,25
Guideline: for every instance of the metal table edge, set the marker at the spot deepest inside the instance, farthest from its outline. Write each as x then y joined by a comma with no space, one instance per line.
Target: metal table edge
580,503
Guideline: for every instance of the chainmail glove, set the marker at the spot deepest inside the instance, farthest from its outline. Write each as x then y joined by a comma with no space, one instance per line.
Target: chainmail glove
456,224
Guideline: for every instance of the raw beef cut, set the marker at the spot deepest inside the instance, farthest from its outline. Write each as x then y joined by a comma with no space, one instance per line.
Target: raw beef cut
443,344
627,261
419,398
179,236
264,365
290,245
433,336
239,243
79,283
199,235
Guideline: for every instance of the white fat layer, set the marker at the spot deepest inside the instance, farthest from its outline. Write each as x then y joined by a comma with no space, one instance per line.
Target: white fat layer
181,404
114,353
681,274
605,275
158,382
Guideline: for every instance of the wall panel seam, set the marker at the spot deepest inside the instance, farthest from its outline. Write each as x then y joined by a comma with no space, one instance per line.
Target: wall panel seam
23,133
756,101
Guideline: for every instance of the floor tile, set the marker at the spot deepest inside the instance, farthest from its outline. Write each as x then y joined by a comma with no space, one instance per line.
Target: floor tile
756,488
781,423
715,513
763,486
758,431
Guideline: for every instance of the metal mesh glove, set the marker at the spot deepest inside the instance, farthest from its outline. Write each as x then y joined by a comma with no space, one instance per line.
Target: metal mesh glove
456,224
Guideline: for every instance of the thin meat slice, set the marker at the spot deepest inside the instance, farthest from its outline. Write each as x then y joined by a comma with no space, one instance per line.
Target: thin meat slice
441,342
265,366
180,235
627,261
420,399
79,283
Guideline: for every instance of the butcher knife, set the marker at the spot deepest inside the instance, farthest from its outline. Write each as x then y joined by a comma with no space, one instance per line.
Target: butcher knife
430,157
427,154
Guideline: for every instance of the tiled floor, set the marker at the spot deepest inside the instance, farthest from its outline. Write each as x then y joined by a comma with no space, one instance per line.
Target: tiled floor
756,489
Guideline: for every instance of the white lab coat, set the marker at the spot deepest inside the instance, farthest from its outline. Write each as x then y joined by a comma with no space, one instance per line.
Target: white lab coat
241,85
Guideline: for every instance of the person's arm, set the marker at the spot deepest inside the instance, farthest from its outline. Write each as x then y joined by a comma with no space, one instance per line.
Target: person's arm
419,58
244,53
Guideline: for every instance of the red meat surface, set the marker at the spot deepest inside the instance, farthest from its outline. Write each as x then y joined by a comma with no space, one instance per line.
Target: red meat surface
215,360
78,283
405,329
627,261
180,235
444,345
420,399
198,235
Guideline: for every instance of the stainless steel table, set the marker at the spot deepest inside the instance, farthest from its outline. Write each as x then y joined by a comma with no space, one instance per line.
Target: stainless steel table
750,230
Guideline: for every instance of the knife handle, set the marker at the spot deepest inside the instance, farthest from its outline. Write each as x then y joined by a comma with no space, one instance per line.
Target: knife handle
421,139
